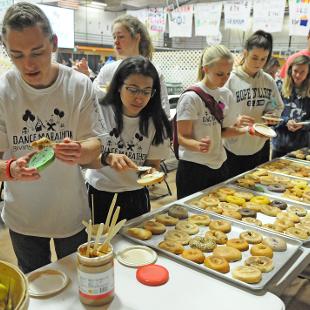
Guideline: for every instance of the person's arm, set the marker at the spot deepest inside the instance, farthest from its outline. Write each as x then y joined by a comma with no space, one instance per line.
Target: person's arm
164,95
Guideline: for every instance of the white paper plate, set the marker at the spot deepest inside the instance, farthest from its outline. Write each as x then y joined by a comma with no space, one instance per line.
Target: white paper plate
150,179
46,282
272,118
265,130
143,168
136,256
303,123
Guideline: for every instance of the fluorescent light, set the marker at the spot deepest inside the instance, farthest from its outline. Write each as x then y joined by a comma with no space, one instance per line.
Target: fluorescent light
99,3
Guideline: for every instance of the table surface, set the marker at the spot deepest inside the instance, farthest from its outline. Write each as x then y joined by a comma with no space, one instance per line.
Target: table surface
187,288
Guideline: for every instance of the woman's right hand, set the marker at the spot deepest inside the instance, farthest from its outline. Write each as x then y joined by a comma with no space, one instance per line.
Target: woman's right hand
20,171
120,162
245,120
204,144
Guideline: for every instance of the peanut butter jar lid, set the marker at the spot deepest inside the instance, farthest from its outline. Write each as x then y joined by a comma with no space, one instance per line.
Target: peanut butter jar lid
152,275
42,159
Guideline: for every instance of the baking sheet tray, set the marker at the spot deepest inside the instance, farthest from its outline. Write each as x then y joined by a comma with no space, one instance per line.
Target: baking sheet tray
279,258
305,150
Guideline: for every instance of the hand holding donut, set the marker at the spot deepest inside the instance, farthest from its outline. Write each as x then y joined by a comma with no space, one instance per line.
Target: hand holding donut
20,171
293,126
120,162
68,151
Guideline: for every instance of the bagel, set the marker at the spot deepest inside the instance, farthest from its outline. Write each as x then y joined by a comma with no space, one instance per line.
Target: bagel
269,210
244,195
253,206
200,219
215,209
299,211
155,228
188,227
210,201
226,190
229,206
218,236
139,233
177,236
275,243
239,244
229,253
247,183
171,246
263,263
252,237
217,263
273,227
203,244
252,220
166,219
197,203
178,212
284,223
261,249
288,216
233,214
220,225
194,255
296,232
267,180
247,274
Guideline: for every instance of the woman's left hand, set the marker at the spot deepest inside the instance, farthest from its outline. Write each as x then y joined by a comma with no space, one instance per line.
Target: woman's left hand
293,126
68,151
120,162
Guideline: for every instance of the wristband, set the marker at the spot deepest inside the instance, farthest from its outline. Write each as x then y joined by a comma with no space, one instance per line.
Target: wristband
8,169
251,131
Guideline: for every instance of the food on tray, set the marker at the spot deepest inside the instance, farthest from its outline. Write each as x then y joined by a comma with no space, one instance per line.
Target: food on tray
284,223
235,200
203,244
200,219
262,200
277,188
252,237
229,206
217,263
220,225
155,228
171,246
279,204
178,236
247,274
188,227
215,209
263,263
297,232
273,227
300,154
218,236
275,243
234,214
288,216
229,253
304,227
299,211
253,206
41,143
210,201
166,219
252,220
239,244
194,255
178,212
139,233
246,212
244,195
270,210
261,249
197,203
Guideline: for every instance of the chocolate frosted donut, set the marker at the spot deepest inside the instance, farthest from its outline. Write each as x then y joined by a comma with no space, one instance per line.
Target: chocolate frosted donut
279,204
246,212
277,188
178,212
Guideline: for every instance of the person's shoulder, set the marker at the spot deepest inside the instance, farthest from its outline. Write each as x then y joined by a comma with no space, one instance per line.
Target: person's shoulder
7,79
110,66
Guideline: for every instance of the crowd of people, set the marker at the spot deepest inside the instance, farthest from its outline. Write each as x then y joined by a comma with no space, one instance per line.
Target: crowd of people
121,121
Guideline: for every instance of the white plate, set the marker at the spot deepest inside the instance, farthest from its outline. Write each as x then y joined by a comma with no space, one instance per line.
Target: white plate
46,282
303,123
136,256
265,130
272,118
150,179
143,168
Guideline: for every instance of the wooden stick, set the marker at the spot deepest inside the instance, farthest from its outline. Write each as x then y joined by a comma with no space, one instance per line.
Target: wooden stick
99,233
92,209
114,218
106,225
89,233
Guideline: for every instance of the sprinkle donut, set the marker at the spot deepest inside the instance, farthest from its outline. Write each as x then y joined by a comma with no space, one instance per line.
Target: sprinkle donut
203,244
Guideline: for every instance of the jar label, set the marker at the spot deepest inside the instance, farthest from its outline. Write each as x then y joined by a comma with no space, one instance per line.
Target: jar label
96,285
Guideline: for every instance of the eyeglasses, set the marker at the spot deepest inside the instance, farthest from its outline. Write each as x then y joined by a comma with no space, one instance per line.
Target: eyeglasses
134,91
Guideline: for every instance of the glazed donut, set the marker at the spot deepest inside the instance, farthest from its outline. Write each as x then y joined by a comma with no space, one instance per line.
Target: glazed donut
226,190
247,274
284,223
194,255
177,236
263,263
171,246
296,232
273,227
246,212
288,216
188,227
218,236
203,244
216,209
217,263
252,220
200,219
239,244
269,210
229,253
262,200
210,201
251,236
279,204
198,204
166,219
235,200
233,214
178,212
299,211
253,206
261,249
244,195
139,233
276,188
220,225
154,227
275,243
229,206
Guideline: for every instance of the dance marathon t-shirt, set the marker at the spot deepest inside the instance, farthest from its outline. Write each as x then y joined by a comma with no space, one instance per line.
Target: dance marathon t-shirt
253,97
54,205
191,107
131,143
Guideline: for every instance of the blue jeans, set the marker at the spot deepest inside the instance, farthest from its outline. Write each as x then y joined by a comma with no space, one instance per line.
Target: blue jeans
34,252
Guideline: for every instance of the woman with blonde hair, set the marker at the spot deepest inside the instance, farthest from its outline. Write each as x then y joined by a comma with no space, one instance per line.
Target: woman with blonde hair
293,132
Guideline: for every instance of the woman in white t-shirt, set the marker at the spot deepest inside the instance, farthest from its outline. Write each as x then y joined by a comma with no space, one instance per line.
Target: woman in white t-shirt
201,152
138,134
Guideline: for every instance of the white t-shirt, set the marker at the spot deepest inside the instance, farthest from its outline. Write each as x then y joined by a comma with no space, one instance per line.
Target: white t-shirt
131,143
191,107
56,204
105,77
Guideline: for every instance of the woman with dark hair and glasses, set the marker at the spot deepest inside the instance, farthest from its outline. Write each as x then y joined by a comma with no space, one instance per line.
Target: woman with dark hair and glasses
138,134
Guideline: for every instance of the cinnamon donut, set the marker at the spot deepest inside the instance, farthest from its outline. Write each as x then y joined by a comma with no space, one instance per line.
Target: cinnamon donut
263,263
218,236
246,212
187,226
229,253
239,244
177,236
220,225
299,211
194,255
296,232
203,244
217,263
172,246
154,227
252,220
275,243
279,204
233,214
247,274
251,236
139,233
166,219
261,249
178,212
244,195
200,219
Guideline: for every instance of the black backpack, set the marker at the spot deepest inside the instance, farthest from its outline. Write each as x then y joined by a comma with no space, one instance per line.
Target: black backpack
214,107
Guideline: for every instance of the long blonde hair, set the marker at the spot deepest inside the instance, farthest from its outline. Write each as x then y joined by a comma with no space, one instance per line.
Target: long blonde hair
210,55
288,83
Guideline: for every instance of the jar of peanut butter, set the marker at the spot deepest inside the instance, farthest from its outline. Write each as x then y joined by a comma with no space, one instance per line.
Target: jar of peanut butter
95,275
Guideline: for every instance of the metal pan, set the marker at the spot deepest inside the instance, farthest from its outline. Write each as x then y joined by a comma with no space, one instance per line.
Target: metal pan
304,161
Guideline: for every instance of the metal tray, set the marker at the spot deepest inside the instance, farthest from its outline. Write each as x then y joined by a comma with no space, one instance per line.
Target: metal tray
263,188
279,258
266,219
304,161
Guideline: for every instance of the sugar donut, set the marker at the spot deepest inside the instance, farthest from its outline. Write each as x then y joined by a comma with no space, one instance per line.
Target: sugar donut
233,214
252,220
247,274
288,216
235,200
210,201
220,225
187,226
229,253
244,195
166,219
275,243
299,211
279,204
200,219
261,249
218,236
194,255
178,212
296,232
229,206
171,246
139,233
239,244
262,200
263,263
246,212
154,227
217,263
269,210
177,236
276,188
203,244
251,236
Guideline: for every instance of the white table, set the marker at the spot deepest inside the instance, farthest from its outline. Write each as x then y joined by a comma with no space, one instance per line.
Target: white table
187,288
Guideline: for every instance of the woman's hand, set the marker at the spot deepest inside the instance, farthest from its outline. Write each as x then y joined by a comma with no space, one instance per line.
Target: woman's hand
82,66
244,120
293,126
68,151
120,162
20,171
204,145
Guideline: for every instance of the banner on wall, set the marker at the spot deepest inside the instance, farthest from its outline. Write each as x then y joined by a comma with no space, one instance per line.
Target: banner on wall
180,21
237,14
299,17
156,23
4,4
207,18
268,15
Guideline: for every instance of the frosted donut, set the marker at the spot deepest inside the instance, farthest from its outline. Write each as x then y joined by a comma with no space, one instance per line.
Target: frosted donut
272,227
194,255
276,188
284,223
166,219
296,232
246,212
239,244
197,203
226,190
200,219
244,195
288,216
269,210
229,206
279,204
216,209
229,253
235,200
154,227
262,200
252,237
210,201
252,220
217,263
247,274
171,246
253,206
220,225
178,212
261,249
218,236
299,211
139,233
203,244
275,243
188,227
263,263
177,236
233,214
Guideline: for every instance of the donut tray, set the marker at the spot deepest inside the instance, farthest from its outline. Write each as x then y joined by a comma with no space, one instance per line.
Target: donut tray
265,219
279,258
263,189
305,151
